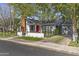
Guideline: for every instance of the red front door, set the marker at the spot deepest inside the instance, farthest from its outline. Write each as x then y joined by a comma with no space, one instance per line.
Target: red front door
37,28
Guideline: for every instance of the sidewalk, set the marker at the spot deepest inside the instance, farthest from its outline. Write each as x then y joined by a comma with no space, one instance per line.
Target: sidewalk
48,45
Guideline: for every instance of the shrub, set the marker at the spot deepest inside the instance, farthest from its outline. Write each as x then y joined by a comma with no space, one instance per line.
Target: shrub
74,44
57,30
30,38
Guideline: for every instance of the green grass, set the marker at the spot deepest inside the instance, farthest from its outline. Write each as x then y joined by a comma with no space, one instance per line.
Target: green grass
7,34
74,44
30,38
57,38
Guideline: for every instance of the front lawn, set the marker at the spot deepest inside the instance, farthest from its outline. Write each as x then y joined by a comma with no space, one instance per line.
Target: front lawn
30,38
7,34
55,38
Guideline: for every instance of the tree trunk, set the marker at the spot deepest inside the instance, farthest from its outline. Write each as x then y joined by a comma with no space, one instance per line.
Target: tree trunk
75,35
23,25
74,25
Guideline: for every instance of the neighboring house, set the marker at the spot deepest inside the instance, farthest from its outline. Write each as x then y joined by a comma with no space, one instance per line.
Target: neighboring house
67,28
37,28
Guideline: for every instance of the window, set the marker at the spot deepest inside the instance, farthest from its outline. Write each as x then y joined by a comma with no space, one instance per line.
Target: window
32,28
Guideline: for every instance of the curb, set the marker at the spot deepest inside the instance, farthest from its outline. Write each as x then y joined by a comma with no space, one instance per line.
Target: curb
49,47
7,38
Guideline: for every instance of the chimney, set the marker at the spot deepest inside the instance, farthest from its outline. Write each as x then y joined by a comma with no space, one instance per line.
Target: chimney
23,25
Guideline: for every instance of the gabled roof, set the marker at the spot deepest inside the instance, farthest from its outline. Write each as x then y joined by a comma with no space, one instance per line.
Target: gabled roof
57,22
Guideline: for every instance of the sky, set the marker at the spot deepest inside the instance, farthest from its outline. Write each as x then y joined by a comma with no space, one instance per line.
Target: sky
4,9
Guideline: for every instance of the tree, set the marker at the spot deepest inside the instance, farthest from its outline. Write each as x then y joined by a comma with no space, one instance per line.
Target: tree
70,12
24,10
47,14
46,9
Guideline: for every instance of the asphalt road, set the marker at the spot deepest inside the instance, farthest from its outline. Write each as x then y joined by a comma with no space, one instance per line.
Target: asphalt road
13,49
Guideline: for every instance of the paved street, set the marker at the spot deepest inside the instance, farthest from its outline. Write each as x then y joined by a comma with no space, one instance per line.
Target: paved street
14,49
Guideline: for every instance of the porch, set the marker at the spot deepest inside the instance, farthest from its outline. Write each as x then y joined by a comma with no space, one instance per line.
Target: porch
31,34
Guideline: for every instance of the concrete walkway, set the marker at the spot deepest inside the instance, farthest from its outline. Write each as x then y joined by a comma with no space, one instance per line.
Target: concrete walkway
48,45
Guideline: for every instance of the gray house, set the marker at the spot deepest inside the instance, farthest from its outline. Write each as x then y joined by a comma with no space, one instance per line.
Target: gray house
41,28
